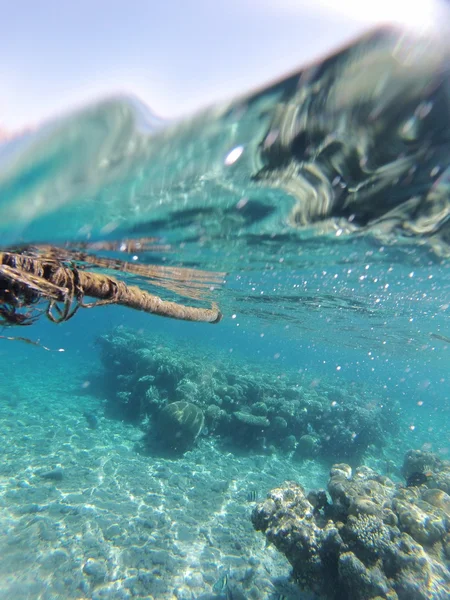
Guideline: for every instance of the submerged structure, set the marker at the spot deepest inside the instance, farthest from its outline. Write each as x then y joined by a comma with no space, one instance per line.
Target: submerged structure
171,391
55,282
373,539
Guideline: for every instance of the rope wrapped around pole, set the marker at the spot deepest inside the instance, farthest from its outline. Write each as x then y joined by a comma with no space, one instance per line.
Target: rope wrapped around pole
25,281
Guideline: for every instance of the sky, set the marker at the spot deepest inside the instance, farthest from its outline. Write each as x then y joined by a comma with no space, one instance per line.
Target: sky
175,55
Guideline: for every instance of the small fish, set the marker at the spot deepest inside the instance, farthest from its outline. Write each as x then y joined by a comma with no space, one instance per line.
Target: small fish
56,474
252,496
26,341
442,338
221,584
227,590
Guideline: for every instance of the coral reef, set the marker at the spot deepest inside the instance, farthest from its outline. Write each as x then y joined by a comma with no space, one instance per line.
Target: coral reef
245,405
374,540
179,424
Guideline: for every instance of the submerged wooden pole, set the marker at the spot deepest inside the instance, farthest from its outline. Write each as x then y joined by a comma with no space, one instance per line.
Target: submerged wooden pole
25,280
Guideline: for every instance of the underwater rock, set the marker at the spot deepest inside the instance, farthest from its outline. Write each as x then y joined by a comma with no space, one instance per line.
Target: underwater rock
260,409
290,443
179,425
186,390
418,461
437,498
287,518
213,416
279,424
363,492
375,540
245,405
96,570
307,446
426,469
252,420
424,522
91,419
318,499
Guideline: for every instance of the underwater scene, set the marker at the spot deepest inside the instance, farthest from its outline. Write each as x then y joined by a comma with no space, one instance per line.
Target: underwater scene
225,341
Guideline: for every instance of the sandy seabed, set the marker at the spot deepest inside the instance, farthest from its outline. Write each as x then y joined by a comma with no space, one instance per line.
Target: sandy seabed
85,514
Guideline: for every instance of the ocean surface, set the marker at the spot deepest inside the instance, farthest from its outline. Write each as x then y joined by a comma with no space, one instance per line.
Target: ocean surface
306,226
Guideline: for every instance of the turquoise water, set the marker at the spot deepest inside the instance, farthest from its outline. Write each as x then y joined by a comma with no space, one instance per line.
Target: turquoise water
319,209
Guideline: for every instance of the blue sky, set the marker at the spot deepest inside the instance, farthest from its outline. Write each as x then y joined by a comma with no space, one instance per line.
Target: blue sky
175,55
